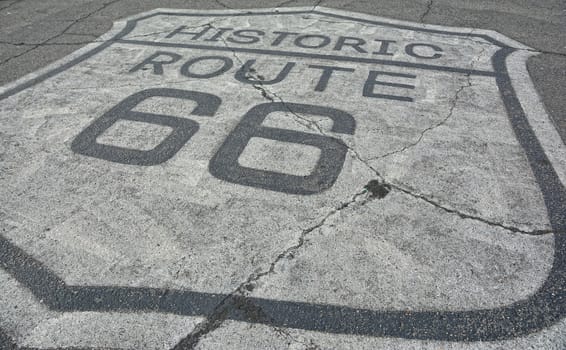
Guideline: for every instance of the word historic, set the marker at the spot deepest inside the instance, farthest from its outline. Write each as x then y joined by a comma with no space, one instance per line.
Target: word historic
375,46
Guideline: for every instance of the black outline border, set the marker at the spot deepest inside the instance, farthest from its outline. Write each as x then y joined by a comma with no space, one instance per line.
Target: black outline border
541,310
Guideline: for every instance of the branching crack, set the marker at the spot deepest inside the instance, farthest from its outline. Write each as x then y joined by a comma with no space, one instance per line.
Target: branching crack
238,300
310,345
317,4
427,10
430,128
453,104
380,180
47,43
64,31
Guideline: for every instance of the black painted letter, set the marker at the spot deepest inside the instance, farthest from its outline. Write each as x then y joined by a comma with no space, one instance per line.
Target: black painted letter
245,39
195,35
326,74
227,64
300,41
384,47
350,41
157,64
371,82
410,50
241,74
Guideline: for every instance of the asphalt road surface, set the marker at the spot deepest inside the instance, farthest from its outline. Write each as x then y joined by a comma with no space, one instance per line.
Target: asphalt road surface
295,175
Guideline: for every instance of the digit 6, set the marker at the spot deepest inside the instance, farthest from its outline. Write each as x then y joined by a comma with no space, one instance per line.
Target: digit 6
224,165
183,129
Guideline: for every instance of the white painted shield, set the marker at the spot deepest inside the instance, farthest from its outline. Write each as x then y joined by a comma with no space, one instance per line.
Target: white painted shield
303,169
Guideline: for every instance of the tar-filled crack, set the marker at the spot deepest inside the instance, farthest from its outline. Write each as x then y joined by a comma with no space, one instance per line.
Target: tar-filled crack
380,181
377,189
238,301
64,31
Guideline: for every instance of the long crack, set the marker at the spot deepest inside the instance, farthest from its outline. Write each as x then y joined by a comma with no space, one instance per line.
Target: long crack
238,298
313,125
449,115
249,284
462,215
64,31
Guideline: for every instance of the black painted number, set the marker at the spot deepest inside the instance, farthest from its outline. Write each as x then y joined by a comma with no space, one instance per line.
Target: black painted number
224,165
183,129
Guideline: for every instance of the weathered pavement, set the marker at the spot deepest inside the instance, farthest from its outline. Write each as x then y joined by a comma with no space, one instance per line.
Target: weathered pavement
286,177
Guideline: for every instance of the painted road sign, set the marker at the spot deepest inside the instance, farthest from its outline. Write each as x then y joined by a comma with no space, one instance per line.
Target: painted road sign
311,170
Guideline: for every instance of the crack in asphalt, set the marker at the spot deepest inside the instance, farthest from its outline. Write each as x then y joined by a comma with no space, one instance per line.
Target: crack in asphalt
376,188
238,298
105,5
310,345
10,5
48,43
251,73
221,4
462,215
313,125
427,10
36,45
43,43
449,115
317,4
428,129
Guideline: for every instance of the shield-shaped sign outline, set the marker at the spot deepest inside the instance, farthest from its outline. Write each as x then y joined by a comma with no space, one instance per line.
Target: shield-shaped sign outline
542,309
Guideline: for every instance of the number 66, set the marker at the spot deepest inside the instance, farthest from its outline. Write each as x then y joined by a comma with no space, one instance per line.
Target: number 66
224,164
